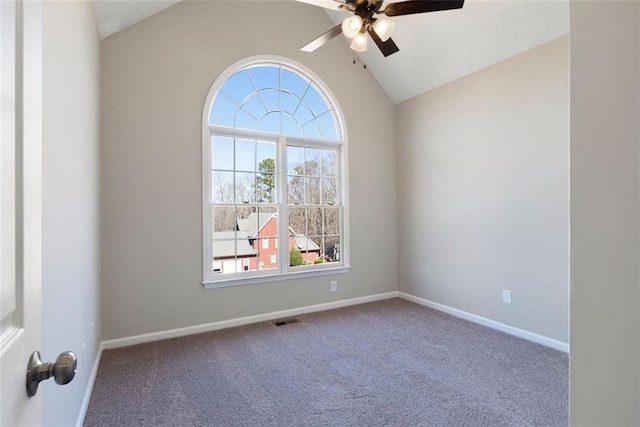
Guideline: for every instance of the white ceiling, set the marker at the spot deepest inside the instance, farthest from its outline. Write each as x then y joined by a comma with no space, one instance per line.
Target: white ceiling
116,15
435,48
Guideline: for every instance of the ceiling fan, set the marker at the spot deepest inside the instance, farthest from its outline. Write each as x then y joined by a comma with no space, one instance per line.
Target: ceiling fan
365,20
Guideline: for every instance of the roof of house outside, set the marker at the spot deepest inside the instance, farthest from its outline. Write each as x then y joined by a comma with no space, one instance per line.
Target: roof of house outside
224,244
249,227
253,223
304,243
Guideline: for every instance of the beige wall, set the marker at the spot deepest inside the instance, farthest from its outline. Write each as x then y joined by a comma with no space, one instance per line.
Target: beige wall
483,192
156,76
70,209
605,289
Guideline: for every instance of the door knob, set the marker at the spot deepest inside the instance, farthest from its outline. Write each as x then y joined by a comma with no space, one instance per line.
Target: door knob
63,370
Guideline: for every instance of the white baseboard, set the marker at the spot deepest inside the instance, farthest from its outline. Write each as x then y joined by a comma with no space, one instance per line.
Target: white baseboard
190,330
89,388
511,330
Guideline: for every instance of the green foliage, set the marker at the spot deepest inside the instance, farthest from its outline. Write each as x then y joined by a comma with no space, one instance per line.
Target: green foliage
267,179
319,261
295,258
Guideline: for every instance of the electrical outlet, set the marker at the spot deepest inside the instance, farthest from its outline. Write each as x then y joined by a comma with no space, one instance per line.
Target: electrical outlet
506,296
334,285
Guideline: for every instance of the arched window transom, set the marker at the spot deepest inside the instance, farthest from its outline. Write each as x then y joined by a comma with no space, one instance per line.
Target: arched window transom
274,98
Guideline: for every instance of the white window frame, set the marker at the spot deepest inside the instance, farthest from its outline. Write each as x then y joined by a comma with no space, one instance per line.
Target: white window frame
211,280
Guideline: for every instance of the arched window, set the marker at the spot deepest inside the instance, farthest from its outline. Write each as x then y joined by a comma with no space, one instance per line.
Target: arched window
273,176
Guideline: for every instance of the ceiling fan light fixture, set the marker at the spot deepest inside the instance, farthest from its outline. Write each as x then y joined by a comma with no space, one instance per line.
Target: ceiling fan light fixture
351,26
359,43
384,28
365,20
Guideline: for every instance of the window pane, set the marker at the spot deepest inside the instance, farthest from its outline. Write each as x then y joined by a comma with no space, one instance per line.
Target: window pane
290,126
238,86
222,187
329,191
267,253
298,220
224,218
295,190
315,101
254,106
312,157
233,255
267,222
266,188
332,249
329,165
245,155
265,76
312,191
293,83
331,221
245,222
266,179
303,114
312,130
327,123
289,102
270,210
304,251
295,160
245,187
244,120
272,99
314,222
222,153
254,219
266,150
295,257
223,111
270,122
309,249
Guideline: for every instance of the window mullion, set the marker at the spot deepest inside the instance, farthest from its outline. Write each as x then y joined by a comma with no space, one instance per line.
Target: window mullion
283,216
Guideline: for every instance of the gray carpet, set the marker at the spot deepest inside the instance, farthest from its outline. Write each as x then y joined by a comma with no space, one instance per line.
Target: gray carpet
387,363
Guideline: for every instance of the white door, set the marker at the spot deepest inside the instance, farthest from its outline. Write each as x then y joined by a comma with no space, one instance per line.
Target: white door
20,202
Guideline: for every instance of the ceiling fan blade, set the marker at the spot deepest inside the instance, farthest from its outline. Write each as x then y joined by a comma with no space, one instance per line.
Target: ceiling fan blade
313,45
417,6
387,47
327,4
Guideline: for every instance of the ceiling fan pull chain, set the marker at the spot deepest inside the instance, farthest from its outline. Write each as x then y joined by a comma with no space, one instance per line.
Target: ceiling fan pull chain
364,64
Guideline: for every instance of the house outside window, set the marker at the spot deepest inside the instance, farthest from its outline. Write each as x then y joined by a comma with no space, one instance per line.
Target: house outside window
274,168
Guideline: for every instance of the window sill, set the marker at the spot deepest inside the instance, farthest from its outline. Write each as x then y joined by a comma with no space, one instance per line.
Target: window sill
274,277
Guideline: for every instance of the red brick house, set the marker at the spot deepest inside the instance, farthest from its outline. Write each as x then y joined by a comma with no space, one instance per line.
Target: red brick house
257,245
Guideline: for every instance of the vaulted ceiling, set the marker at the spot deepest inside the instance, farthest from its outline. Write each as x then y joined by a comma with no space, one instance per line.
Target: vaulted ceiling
435,48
